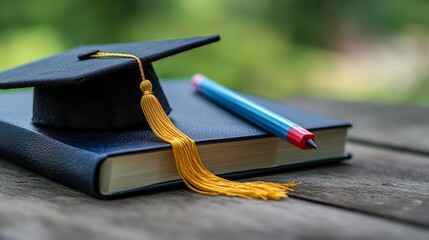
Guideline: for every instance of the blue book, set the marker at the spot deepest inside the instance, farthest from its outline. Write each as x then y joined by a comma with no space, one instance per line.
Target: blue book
110,163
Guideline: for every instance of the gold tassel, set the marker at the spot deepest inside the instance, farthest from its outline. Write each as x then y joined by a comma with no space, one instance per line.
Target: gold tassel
188,162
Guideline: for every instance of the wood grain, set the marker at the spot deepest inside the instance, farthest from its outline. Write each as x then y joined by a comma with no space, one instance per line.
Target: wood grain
376,181
382,193
33,207
400,127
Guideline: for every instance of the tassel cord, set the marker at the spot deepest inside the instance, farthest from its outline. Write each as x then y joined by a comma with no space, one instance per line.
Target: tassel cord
188,163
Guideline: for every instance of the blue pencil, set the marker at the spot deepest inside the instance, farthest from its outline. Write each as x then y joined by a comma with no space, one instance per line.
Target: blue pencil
255,113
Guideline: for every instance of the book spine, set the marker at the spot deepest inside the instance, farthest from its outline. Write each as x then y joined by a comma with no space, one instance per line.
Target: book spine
73,167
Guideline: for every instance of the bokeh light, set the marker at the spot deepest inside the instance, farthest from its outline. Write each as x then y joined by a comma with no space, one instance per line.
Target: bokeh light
360,50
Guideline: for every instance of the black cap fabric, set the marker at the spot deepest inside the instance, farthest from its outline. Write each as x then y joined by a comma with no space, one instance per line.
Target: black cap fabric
74,91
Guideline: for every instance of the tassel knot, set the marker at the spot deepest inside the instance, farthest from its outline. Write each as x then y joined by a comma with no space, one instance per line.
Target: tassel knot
146,87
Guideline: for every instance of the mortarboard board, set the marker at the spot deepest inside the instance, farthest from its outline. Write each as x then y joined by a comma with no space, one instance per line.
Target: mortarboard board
73,91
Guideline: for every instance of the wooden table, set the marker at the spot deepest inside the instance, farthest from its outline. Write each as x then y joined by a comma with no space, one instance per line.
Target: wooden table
382,193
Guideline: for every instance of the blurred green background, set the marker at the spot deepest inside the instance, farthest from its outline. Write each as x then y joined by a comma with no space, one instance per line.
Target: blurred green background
360,50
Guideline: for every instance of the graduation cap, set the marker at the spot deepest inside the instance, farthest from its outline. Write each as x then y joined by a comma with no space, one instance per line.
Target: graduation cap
92,87
72,90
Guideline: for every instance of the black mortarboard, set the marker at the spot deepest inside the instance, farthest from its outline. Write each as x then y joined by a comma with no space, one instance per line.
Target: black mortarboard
72,90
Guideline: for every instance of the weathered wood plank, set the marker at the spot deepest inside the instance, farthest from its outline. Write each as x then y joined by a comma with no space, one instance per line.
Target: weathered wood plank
33,207
402,127
376,181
